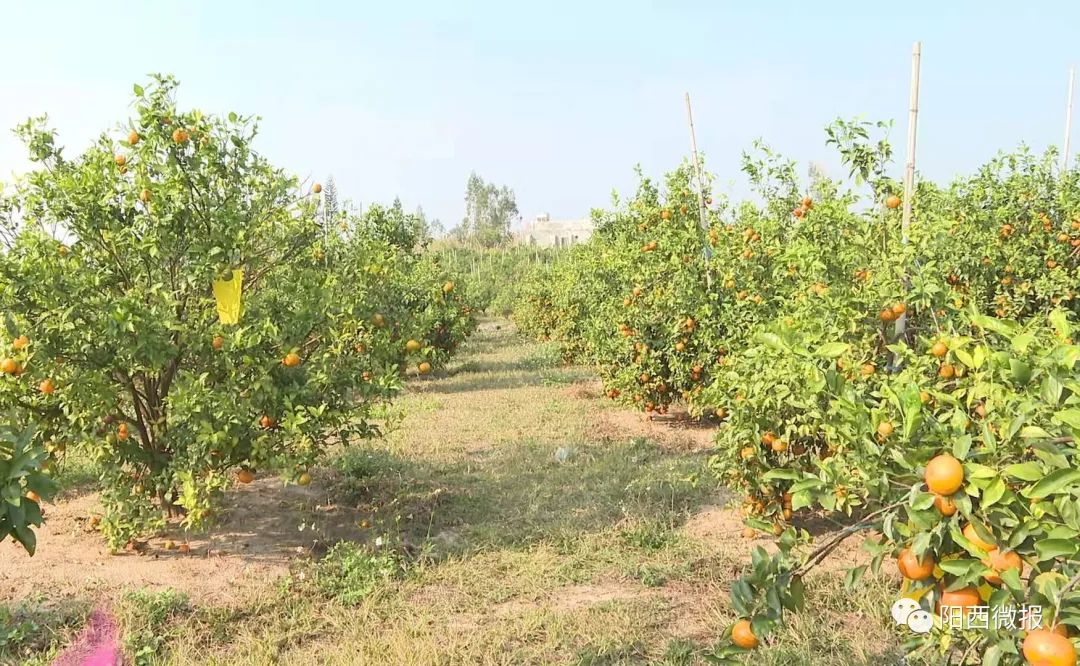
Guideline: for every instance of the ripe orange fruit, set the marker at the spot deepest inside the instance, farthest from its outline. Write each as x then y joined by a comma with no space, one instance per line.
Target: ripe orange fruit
122,432
245,476
899,309
144,196
965,597
1001,561
798,212
412,346
946,505
807,203
665,214
33,497
424,368
946,371
742,635
867,369
133,137
179,136
944,475
291,360
749,533
680,346
924,397
747,452
973,537
636,292
884,429
887,315
304,479
20,342
218,342
1044,647
892,202
448,287
779,446
939,349
46,386
914,568
768,438
316,188
120,160
266,422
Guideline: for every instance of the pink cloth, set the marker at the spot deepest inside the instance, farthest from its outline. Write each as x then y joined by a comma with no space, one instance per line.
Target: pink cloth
98,644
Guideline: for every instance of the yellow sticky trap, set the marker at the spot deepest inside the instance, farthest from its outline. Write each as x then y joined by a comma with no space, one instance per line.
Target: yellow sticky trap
227,295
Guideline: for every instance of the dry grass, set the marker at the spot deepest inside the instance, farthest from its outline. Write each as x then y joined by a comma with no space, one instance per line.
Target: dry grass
495,552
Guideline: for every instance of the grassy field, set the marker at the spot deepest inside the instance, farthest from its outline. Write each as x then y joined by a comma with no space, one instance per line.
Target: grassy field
509,516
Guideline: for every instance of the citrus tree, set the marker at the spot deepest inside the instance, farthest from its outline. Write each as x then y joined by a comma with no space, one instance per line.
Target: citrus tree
922,387
117,339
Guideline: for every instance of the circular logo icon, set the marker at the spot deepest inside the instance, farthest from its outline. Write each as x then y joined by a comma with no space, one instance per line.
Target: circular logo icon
903,608
920,622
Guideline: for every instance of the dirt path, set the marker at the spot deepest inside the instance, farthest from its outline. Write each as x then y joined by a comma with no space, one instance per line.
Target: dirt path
538,523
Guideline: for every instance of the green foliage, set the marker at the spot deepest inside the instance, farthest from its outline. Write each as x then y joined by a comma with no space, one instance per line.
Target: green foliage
350,572
789,333
147,615
495,276
23,485
109,274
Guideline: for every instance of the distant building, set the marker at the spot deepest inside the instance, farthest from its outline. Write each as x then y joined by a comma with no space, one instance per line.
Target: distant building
546,232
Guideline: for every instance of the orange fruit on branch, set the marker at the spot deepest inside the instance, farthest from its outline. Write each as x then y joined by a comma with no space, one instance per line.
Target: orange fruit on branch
291,360
939,349
915,568
120,160
884,429
1000,561
946,505
316,188
1044,647
944,475
965,597
21,342
33,497
47,386
971,535
412,346
424,368
217,342
133,137
122,432
179,136
892,201
742,635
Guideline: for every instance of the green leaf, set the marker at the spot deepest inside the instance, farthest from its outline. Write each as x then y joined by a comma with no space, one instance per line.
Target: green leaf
994,492
1070,417
1049,549
138,90
832,349
1021,372
1029,471
959,567
1053,483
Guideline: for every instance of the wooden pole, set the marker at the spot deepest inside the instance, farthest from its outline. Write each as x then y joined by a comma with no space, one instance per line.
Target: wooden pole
703,219
1068,121
913,125
909,171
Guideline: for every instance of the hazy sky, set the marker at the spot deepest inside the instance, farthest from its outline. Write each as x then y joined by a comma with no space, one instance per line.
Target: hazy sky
559,100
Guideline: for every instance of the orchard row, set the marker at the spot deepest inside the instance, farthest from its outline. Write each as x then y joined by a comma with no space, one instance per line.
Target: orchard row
926,388
114,340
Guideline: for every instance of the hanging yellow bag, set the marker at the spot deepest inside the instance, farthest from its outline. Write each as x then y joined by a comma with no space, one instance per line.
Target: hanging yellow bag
227,295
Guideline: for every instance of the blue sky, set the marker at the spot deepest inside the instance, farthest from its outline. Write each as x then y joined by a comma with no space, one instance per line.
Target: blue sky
558,100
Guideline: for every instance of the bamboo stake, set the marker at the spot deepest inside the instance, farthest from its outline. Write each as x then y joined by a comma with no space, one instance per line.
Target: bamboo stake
1068,121
909,171
702,221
